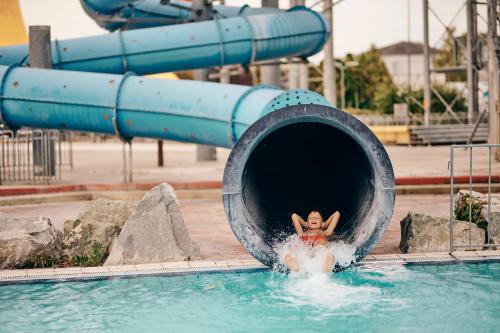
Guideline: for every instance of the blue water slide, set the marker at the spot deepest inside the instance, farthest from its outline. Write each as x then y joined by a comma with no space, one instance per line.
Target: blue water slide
113,15
298,32
134,106
289,148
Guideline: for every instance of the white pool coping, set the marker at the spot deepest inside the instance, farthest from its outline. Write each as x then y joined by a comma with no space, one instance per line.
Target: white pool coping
201,266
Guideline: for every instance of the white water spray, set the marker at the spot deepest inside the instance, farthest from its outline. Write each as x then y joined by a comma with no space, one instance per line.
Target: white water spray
310,258
312,286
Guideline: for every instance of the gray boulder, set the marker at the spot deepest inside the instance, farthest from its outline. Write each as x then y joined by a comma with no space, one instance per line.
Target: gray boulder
482,200
28,242
155,232
423,233
99,223
493,220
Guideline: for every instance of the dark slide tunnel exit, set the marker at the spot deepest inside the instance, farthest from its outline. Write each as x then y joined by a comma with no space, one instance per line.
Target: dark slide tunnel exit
300,159
303,167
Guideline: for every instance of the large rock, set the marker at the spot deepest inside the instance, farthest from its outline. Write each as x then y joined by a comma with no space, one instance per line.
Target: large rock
99,223
480,204
155,232
493,219
423,233
27,242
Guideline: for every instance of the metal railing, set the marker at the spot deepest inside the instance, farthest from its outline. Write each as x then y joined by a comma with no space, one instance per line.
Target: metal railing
470,147
437,119
33,156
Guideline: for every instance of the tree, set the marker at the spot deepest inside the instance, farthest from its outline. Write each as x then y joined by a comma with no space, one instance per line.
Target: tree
368,85
451,55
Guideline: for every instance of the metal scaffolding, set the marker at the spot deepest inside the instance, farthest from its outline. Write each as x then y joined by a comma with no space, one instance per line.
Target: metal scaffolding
473,61
493,74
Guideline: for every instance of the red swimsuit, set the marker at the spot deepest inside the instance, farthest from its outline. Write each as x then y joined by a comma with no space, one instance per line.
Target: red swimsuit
311,239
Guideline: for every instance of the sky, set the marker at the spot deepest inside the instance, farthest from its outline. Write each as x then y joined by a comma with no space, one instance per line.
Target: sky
357,23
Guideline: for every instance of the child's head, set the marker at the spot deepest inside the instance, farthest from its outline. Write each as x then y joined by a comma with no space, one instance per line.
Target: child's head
314,220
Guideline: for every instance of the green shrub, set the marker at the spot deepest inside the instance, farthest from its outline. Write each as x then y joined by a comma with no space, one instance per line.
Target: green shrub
463,208
94,258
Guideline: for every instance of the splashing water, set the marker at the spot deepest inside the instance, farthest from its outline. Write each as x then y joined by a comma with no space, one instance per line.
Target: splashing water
311,285
310,258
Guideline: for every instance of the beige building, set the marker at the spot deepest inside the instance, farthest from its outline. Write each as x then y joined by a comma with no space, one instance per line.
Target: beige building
396,56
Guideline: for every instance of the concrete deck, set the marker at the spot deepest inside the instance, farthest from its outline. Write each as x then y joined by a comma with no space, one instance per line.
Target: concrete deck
102,163
207,224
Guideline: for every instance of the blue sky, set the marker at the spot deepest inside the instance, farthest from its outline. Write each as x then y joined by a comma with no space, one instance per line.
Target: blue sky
358,23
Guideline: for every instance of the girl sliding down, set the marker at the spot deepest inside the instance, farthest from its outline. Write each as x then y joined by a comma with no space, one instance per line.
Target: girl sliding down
316,236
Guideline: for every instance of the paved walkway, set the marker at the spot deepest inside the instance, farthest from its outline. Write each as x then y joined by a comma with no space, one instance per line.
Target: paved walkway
102,163
207,224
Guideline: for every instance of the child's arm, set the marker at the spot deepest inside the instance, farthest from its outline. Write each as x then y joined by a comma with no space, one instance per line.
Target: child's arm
334,219
325,224
302,222
297,223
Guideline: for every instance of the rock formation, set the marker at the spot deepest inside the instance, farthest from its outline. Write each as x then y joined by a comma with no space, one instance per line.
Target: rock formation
99,223
155,232
423,233
27,242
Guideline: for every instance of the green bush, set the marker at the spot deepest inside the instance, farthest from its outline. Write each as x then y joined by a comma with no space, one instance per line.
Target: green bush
94,258
464,206
385,99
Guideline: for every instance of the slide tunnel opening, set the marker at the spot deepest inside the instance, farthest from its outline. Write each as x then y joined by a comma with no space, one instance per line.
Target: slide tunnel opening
302,167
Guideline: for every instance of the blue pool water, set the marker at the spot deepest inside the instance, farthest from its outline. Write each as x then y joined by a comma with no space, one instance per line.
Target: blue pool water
443,298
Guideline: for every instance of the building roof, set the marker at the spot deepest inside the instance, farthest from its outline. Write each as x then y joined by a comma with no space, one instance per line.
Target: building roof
404,48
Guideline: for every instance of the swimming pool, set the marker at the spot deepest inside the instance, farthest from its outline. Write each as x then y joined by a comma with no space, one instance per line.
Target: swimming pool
414,298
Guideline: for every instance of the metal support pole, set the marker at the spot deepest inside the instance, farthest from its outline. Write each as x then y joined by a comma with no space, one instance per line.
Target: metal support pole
342,101
493,78
342,85
293,67
329,74
202,11
270,74
470,192
293,76
408,55
452,201
303,76
40,53
472,75
131,163
302,68
40,50
225,76
427,74
124,161
160,152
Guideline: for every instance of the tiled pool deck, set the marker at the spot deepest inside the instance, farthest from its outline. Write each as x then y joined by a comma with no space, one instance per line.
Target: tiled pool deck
195,267
208,227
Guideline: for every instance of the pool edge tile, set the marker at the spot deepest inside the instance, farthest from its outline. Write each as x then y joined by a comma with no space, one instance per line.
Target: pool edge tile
200,266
